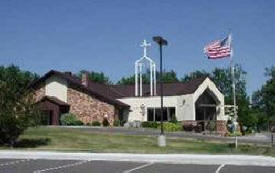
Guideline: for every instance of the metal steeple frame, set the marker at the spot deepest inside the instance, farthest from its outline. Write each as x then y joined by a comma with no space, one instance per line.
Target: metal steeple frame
138,72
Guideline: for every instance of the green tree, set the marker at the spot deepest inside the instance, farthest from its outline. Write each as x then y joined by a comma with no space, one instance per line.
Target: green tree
264,100
223,79
127,80
194,75
268,93
98,77
167,76
18,110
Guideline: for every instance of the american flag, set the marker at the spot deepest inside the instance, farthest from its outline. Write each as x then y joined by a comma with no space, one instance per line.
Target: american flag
219,48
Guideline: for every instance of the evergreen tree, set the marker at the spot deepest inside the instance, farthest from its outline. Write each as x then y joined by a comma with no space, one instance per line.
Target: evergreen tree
17,108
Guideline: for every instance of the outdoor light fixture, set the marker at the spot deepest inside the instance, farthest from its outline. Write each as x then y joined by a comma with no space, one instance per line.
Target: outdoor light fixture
161,42
183,102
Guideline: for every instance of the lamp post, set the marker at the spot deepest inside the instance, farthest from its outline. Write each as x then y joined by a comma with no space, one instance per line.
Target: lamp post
161,42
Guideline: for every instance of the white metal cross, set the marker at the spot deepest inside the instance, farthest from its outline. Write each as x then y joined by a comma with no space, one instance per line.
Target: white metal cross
145,45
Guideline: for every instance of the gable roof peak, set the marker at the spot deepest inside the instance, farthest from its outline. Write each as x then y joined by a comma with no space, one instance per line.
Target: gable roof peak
100,91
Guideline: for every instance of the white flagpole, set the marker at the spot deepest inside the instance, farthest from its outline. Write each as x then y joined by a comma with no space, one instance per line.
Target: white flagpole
233,89
233,79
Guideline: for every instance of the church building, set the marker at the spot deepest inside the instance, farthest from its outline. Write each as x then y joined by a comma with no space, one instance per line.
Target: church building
62,92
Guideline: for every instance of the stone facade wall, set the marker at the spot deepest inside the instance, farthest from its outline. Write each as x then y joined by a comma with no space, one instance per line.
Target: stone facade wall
39,92
88,108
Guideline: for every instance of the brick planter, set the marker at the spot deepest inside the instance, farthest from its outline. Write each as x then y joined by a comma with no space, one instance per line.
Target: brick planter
220,125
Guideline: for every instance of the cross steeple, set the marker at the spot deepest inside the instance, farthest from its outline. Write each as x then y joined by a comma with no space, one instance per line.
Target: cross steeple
145,45
139,64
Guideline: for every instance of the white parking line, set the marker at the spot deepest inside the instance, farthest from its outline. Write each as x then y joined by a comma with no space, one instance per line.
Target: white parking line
219,168
61,167
14,162
139,167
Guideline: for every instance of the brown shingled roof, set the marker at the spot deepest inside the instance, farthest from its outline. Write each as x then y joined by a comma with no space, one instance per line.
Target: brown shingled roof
101,91
169,89
110,93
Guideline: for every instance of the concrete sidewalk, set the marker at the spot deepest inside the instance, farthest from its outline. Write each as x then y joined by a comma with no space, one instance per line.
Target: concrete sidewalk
201,159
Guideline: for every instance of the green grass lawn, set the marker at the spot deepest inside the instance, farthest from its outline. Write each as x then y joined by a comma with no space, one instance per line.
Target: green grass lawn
65,139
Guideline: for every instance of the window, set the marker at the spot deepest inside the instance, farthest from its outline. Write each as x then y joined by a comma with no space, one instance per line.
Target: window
150,115
154,114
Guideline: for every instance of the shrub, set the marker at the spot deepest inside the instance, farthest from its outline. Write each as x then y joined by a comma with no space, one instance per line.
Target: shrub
96,123
134,124
122,122
235,134
171,127
174,119
230,127
211,126
79,123
149,124
167,126
188,127
248,130
105,122
198,128
117,123
70,119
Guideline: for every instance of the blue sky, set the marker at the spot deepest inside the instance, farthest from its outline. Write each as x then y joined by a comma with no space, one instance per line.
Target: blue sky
101,35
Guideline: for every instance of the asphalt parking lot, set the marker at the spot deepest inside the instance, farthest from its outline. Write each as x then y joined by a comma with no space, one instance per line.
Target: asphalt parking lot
84,166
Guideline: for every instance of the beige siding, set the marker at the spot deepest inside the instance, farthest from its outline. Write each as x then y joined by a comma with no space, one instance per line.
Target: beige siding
56,87
148,102
184,104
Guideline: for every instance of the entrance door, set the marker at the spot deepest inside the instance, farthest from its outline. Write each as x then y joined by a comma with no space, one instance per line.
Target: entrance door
46,117
206,107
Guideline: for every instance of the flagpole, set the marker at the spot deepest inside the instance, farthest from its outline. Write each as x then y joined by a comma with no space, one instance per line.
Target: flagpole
233,81
213,51
233,91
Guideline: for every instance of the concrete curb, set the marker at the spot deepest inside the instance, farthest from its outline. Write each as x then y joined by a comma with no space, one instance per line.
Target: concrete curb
161,158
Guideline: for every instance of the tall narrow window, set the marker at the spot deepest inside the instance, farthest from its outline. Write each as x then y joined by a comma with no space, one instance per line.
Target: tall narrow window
150,115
